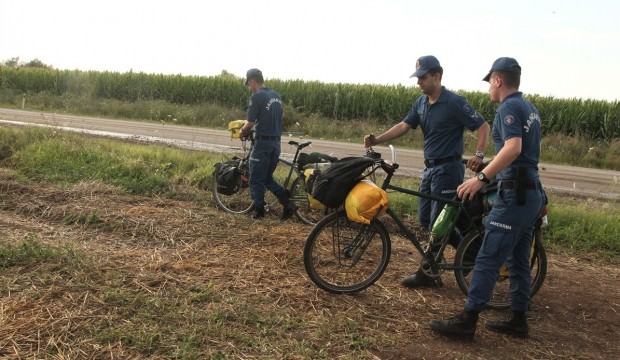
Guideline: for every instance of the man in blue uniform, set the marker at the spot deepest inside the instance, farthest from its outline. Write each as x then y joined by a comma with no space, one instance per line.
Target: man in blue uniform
265,115
443,116
520,199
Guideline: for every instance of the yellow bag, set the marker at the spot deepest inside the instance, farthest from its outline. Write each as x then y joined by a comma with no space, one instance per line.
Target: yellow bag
365,201
235,128
314,203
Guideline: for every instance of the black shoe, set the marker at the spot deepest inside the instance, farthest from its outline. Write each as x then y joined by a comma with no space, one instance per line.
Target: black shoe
288,207
516,326
288,211
460,326
258,214
420,279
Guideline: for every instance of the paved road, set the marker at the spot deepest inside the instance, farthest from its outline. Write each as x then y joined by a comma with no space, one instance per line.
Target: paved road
559,178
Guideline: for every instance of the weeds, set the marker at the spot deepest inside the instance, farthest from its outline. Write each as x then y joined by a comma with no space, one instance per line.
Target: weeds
67,159
176,280
28,252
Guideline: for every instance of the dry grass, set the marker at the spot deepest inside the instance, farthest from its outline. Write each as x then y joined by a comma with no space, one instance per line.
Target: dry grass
152,278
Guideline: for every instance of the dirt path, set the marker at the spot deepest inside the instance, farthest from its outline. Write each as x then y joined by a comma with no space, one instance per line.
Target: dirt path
574,316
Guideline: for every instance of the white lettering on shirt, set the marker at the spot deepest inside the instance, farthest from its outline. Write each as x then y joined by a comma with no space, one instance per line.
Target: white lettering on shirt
500,225
271,101
533,117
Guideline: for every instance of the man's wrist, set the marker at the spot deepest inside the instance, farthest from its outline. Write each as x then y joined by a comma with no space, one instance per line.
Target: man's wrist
373,140
483,177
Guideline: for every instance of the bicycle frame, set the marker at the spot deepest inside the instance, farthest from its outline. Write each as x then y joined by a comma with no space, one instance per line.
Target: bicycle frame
434,261
288,183
345,256
289,174
295,183
292,164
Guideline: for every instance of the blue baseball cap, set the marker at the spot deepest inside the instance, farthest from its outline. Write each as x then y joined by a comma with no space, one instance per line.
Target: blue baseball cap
506,64
253,73
424,64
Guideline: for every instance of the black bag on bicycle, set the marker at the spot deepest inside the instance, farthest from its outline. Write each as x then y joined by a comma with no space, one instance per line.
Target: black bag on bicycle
228,176
314,157
332,185
477,208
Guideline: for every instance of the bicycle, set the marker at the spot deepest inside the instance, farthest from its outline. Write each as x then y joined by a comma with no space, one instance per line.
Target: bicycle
342,256
290,175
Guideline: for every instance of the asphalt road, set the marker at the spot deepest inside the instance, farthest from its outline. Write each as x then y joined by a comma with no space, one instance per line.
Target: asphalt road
558,178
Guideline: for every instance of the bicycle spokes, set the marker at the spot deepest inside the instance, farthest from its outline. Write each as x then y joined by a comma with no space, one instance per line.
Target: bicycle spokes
349,251
342,256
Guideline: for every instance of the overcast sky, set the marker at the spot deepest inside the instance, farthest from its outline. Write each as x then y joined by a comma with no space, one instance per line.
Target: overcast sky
567,48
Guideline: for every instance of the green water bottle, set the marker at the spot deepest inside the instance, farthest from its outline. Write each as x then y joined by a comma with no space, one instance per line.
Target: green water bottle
442,223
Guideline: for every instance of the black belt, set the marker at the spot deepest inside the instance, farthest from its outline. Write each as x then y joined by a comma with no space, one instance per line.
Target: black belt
512,184
267,138
431,163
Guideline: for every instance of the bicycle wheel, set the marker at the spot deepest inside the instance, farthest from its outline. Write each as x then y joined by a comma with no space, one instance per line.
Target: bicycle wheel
500,299
307,214
238,202
342,256
538,260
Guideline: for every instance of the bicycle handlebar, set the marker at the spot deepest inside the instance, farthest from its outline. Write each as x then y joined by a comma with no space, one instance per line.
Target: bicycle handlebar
389,168
249,136
482,166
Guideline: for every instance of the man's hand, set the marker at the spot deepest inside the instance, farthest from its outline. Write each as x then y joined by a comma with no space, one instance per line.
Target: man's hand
469,188
474,163
245,130
369,140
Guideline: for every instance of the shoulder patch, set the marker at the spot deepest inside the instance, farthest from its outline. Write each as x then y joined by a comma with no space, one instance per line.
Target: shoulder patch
509,120
467,108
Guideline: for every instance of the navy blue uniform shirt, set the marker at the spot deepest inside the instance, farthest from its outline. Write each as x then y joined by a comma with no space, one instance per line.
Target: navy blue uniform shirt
443,123
517,117
265,109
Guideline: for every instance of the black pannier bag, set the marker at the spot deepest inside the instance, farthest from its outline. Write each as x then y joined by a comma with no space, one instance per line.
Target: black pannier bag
228,176
332,185
477,207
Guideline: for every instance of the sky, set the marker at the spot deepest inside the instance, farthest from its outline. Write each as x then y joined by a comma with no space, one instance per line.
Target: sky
566,48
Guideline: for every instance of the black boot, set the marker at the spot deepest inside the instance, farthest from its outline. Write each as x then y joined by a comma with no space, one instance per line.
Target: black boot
516,326
420,279
288,207
258,213
461,325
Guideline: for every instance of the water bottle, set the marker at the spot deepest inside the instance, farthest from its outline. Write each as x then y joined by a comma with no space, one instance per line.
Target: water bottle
444,220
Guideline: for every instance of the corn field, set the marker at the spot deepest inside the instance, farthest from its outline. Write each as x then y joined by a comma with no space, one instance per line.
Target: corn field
591,119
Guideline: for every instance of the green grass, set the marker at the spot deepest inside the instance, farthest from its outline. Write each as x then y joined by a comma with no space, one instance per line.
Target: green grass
556,147
589,226
591,119
166,314
28,252
174,322
66,158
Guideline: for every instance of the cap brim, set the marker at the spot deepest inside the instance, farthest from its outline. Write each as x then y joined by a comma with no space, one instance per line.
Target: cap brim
488,77
419,73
